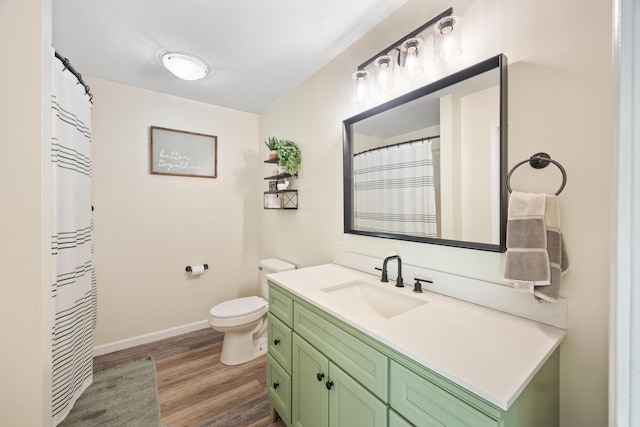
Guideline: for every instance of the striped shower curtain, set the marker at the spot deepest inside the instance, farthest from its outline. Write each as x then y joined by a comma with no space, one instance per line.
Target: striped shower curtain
73,283
395,191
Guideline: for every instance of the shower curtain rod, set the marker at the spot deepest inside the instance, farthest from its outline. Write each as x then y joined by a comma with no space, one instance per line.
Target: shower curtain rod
397,144
67,65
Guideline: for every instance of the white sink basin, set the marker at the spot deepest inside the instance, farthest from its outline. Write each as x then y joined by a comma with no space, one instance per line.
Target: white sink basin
369,299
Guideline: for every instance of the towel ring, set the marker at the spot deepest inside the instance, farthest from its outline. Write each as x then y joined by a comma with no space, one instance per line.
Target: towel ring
539,161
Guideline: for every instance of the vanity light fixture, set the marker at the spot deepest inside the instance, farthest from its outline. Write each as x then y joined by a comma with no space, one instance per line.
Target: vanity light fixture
408,54
185,66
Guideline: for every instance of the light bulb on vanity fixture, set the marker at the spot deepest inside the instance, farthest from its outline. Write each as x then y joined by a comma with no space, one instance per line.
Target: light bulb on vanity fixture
361,85
383,70
184,65
411,58
446,39
408,54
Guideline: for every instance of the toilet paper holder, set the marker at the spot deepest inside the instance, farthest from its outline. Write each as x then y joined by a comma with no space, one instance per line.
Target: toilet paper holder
188,268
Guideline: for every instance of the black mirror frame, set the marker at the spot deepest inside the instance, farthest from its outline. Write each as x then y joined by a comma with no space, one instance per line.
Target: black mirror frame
499,62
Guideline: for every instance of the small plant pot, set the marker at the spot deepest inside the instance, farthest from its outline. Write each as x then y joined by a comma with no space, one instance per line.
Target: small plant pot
273,154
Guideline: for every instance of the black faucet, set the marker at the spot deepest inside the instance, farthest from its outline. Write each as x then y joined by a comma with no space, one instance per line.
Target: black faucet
384,278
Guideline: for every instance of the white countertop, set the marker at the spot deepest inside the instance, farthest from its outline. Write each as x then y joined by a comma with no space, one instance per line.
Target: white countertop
490,353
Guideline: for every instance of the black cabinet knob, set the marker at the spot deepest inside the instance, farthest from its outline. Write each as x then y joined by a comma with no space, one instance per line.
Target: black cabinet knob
276,385
320,376
276,341
329,384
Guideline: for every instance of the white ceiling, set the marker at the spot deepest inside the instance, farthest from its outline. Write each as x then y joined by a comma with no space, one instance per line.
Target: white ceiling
258,49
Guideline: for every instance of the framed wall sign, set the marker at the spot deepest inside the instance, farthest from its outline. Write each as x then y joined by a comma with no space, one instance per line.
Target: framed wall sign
177,152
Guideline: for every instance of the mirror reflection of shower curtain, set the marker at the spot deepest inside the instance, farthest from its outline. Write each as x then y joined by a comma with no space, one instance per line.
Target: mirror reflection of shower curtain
74,296
394,190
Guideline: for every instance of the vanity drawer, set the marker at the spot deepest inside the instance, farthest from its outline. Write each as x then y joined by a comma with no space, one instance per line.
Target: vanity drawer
366,365
281,306
279,389
279,345
425,404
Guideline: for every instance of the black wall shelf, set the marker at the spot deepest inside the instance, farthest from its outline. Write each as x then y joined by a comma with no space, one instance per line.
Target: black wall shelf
280,199
279,176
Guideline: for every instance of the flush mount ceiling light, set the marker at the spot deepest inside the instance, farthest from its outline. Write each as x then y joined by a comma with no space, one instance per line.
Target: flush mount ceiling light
184,65
408,54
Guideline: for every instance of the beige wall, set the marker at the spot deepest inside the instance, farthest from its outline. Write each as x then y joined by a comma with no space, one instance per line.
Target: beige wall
148,228
560,96
25,221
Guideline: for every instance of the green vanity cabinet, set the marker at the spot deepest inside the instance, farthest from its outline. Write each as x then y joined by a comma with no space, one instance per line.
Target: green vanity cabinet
324,395
324,372
306,363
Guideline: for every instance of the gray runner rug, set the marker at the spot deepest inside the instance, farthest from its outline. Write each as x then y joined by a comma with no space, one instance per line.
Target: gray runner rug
126,395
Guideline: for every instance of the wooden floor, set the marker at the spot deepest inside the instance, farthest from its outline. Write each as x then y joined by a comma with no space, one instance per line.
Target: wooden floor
195,389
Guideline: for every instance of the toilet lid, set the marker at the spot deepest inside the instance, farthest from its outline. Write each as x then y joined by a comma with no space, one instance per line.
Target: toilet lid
238,307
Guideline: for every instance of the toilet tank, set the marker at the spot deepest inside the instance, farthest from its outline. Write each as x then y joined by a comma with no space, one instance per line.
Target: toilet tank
271,265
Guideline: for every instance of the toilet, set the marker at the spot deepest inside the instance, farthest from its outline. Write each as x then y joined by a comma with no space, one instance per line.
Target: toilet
244,320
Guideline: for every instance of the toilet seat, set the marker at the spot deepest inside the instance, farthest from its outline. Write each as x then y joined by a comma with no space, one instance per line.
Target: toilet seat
238,307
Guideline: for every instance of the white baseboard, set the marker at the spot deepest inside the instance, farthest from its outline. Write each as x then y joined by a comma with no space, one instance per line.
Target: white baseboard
147,338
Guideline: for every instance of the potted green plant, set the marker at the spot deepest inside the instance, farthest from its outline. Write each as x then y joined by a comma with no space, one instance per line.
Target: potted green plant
272,145
288,156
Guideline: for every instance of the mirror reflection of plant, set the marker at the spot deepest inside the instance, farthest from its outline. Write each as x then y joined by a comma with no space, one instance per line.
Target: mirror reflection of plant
288,156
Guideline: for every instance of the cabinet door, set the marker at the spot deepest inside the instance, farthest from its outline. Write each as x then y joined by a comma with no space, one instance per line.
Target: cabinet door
352,405
396,420
309,376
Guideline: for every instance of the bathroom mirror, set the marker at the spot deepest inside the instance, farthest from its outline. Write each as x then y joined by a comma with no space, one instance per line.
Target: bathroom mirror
430,166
